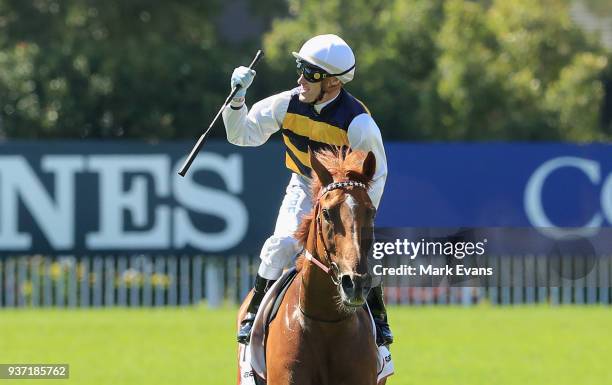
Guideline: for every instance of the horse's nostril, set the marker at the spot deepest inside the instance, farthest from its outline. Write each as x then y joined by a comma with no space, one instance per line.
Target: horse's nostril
347,282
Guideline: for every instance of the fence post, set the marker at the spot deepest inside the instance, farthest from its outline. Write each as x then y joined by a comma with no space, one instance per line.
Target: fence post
495,279
134,274
84,282
60,287
184,280
245,276
541,278
9,295
21,281
604,279
47,288
72,283
35,278
160,281
197,279
232,278
530,279
567,269
173,281
591,284
466,296
122,291
214,282
147,268
579,267
109,285
518,267
2,289
97,278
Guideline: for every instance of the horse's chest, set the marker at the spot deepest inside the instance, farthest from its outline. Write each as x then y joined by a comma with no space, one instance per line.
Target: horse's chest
319,353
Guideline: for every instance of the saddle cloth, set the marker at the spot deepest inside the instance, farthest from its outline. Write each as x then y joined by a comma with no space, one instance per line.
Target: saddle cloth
253,356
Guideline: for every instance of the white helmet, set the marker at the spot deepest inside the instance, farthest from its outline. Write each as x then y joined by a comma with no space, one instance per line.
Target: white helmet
330,53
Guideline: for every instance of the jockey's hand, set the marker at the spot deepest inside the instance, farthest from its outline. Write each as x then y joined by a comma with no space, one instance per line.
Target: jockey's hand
243,76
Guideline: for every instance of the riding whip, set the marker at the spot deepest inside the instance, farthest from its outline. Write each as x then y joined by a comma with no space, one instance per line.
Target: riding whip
196,149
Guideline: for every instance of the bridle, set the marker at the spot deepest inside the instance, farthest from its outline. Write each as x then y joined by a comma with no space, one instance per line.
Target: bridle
331,268
328,266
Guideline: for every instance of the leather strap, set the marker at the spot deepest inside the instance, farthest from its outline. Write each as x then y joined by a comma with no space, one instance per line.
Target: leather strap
316,261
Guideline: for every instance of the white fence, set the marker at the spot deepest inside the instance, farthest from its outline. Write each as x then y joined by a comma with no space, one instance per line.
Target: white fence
66,281
143,281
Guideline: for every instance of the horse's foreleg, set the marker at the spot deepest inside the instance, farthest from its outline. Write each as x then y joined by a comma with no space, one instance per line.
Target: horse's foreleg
383,381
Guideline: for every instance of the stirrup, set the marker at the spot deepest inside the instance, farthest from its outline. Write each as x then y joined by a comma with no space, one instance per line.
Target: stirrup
261,286
246,326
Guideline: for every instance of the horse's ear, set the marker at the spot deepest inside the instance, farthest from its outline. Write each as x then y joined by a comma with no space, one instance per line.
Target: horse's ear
323,174
369,166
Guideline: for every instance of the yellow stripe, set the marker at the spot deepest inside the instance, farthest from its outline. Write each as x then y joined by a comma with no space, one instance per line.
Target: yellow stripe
364,106
301,155
291,164
318,131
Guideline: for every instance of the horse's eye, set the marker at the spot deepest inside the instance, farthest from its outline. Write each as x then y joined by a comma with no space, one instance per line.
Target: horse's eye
326,215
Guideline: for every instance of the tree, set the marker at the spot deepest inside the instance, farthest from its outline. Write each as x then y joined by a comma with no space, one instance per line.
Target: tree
147,69
458,69
427,69
393,43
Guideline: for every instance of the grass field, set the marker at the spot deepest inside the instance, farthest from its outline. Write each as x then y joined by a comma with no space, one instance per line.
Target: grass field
442,345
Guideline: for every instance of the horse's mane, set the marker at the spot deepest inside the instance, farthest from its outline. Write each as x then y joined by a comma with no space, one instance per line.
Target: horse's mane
343,164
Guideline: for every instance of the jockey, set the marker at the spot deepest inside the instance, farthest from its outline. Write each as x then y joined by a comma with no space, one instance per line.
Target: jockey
319,113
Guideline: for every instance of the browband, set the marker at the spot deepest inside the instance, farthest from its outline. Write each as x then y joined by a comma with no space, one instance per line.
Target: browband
337,185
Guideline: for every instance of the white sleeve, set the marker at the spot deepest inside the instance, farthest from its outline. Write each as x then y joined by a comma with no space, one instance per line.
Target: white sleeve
364,134
254,127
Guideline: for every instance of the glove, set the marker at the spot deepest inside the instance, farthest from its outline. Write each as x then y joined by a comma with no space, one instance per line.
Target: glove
243,76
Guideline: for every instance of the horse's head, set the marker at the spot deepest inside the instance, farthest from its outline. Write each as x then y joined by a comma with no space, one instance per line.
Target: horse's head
343,218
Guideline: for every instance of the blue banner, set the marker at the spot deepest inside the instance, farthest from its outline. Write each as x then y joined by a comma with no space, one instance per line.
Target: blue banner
97,197
126,197
548,185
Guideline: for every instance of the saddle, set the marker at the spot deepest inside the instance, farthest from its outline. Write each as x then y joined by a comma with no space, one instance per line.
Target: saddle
253,356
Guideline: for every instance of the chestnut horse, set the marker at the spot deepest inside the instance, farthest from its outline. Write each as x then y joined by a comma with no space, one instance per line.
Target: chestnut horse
322,335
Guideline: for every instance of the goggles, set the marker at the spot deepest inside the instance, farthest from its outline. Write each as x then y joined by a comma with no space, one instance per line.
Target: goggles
311,73
314,74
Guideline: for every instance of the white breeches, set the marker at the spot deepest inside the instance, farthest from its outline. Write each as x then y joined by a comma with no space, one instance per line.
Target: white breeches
280,249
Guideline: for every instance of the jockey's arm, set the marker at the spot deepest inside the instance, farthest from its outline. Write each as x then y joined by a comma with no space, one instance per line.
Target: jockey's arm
254,127
364,134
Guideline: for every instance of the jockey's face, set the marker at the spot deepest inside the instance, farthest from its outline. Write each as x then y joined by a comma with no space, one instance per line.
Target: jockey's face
318,92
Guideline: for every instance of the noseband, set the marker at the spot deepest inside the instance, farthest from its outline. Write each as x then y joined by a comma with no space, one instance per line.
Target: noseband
331,268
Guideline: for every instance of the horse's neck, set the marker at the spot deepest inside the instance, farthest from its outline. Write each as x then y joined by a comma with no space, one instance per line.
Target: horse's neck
318,296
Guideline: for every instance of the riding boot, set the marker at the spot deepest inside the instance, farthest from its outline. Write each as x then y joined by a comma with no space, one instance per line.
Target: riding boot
261,286
377,307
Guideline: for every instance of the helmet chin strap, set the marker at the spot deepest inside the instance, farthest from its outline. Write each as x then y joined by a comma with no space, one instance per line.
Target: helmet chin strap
320,97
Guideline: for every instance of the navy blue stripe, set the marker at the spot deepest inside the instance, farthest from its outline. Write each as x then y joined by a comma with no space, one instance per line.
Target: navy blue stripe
304,170
339,113
301,142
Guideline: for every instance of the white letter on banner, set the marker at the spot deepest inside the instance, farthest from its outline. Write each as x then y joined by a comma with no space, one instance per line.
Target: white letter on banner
204,199
114,201
55,219
606,198
533,198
